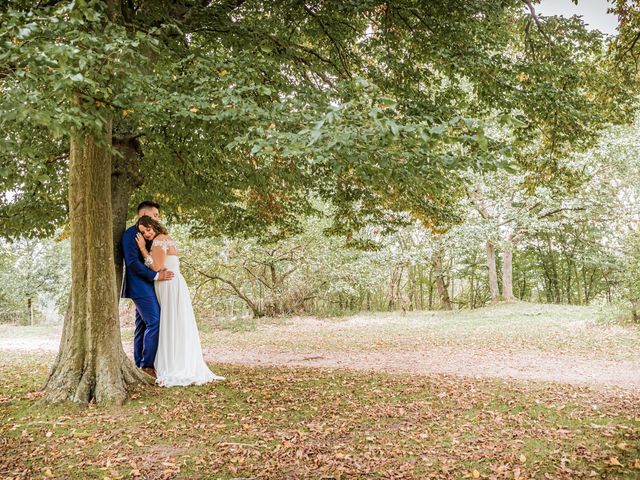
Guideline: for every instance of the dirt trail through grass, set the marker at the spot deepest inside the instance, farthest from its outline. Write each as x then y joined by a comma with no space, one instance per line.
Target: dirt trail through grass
565,344
531,365
554,343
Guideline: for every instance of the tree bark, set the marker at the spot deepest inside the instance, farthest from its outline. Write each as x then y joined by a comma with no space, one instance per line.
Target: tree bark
31,314
555,280
472,286
493,274
421,277
91,364
441,285
507,272
126,177
431,288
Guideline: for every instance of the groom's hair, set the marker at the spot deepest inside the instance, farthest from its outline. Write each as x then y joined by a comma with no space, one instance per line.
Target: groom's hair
148,204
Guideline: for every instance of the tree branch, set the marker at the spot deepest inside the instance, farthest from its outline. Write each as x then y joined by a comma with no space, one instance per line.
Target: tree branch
235,288
536,19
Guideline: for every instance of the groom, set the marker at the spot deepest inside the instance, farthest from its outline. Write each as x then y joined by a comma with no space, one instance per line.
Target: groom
138,286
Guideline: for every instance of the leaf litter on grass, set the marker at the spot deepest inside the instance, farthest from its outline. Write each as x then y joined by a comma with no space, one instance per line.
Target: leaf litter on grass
289,423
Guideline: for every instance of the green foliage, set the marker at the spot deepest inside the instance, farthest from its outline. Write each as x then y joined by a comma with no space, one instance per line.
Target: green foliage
304,273
248,116
34,274
243,113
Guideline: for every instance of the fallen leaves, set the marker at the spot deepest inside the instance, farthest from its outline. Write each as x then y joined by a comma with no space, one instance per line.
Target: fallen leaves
614,461
309,423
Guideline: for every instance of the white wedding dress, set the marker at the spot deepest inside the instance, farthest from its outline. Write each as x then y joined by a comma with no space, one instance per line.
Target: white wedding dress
179,358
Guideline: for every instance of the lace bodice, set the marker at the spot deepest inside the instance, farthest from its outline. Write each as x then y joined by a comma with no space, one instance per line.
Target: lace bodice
164,244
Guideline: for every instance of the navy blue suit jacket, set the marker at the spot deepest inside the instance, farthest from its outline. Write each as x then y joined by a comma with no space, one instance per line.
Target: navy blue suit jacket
138,278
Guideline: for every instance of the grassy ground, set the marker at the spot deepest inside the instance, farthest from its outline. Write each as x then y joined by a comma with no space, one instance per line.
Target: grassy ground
301,423
290,423
557,329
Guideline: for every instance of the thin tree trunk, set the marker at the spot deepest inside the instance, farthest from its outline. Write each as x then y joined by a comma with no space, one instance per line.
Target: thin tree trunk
585,285
568,281
608,284
507,272
421,270
578,285
493,274
441,285
431,288
411,288
399,289
546,275
555,285
30,311
91,364
472,285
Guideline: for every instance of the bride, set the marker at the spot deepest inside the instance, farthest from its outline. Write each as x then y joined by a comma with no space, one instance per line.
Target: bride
179,359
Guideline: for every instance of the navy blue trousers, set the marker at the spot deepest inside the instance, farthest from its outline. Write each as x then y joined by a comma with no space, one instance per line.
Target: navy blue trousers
145,339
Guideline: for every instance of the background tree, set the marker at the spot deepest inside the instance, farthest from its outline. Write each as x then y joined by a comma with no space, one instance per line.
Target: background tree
34,275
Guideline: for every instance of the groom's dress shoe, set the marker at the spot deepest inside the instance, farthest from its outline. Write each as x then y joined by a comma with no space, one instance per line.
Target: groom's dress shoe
150,371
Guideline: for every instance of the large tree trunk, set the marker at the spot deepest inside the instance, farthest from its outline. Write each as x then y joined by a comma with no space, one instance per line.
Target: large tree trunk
441,285
493,274
91,364
507,272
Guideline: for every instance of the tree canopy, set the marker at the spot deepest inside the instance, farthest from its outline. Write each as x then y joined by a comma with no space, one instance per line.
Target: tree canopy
240,112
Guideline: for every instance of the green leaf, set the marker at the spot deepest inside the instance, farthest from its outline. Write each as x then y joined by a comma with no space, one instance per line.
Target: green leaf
388,102
393,126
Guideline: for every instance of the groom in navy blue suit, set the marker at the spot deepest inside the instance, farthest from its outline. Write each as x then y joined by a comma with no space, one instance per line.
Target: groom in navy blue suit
138,286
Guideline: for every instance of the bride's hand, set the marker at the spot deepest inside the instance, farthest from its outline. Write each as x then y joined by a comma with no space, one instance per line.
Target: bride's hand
141,242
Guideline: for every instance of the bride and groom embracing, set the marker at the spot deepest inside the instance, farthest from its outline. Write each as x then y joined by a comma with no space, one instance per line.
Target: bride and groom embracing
166,342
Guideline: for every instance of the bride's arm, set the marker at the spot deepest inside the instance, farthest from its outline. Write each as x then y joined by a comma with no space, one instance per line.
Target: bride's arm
156,258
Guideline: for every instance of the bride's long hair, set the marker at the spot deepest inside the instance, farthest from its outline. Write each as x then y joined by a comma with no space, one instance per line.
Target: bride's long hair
147,221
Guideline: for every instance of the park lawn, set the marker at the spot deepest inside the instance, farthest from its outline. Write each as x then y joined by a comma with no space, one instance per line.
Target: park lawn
294,423
588,332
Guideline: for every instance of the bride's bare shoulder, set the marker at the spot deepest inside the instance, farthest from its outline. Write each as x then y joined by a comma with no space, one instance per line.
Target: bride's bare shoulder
162,237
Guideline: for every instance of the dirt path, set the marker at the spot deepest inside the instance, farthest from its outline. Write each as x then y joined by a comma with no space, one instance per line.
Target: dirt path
531,365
